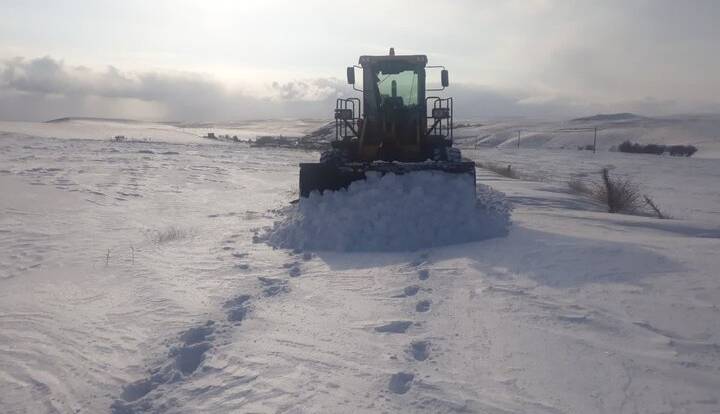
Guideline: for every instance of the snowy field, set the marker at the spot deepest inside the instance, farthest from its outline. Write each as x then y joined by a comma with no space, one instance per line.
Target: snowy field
133,278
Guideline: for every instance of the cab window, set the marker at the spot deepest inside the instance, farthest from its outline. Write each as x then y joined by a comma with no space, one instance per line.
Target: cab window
400,87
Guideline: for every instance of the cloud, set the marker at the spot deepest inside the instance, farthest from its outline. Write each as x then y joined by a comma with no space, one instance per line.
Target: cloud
48,76
37,88
312,90
45,88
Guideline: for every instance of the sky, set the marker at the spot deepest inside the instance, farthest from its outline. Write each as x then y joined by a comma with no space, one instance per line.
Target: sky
235,60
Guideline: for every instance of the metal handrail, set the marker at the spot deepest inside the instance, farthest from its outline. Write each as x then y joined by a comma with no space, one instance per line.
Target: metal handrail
439,102
341,128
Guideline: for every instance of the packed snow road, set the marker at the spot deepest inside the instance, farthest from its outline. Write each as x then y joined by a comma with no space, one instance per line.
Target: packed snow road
130,282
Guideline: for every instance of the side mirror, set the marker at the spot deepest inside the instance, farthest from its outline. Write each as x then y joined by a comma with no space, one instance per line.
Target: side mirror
444,78
351,75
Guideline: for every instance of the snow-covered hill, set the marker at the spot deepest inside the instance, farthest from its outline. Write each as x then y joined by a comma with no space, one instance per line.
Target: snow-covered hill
169,132
132,279
702,131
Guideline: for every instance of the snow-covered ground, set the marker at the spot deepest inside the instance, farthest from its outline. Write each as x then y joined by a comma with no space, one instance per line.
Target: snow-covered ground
131,280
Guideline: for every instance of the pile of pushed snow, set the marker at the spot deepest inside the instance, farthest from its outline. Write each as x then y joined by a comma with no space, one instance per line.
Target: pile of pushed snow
394,212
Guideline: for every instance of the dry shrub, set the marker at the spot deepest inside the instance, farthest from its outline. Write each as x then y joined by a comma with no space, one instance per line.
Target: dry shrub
620,195
658,149
655,209
169,234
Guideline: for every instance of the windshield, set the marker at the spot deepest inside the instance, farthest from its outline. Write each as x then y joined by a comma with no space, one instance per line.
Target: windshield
403,85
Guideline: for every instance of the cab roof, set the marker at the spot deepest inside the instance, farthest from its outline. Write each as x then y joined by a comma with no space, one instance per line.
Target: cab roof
411,59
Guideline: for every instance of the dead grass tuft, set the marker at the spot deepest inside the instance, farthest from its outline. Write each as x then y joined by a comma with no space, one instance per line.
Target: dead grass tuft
619,194
170,234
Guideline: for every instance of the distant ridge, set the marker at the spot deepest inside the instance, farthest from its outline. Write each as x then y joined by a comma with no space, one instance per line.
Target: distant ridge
185,124
86,118
622,116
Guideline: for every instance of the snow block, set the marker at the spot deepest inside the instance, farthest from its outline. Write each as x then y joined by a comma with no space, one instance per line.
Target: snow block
394,213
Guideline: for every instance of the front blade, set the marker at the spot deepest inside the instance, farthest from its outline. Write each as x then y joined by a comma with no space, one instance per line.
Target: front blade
325,176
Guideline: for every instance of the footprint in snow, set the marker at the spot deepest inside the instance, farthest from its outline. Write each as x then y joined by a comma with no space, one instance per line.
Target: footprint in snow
293,268
423,306
423,274
192,352
237,301
189,357
195,343
198,333
183,360
408,291
420,350
236,309
394,327
273,287
400,383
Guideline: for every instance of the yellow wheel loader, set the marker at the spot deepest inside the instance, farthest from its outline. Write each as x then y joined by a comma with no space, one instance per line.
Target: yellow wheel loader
395,128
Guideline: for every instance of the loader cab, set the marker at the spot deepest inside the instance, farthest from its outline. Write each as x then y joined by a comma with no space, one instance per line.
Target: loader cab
393,83
393,106
391,122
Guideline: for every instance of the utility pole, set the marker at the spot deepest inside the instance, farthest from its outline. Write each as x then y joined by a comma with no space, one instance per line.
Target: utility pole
595,142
